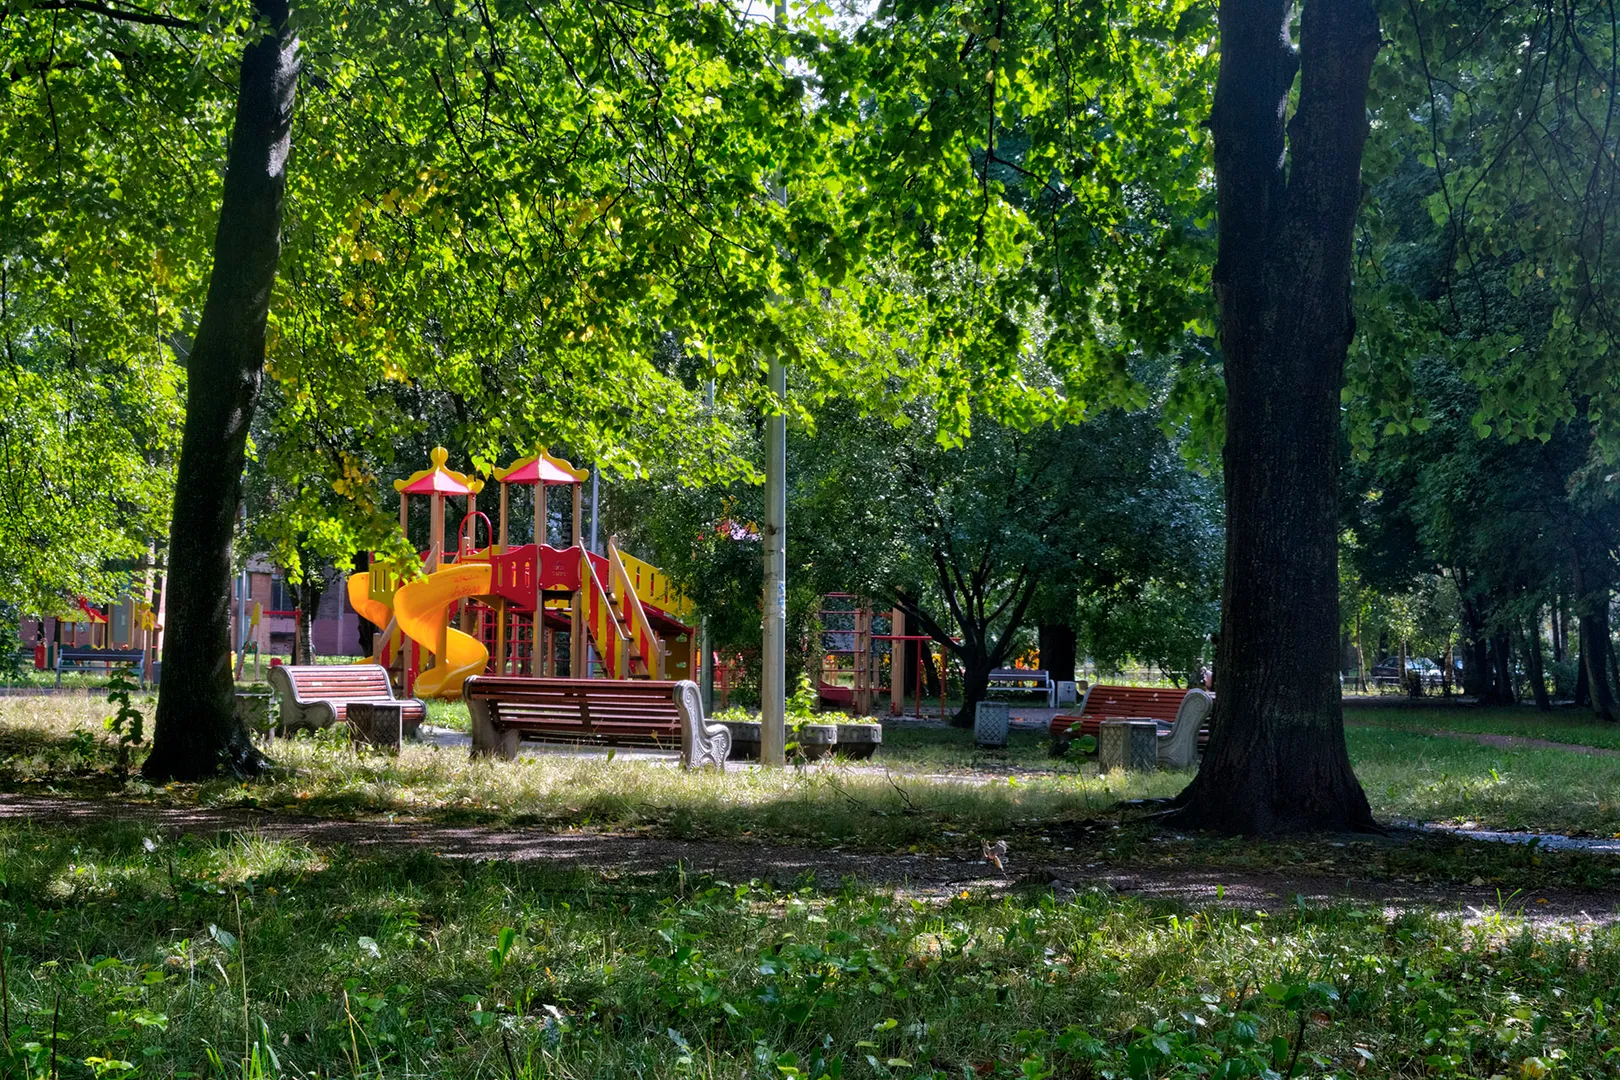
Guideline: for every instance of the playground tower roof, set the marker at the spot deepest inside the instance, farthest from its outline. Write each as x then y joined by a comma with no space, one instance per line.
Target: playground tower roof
541,467
438,480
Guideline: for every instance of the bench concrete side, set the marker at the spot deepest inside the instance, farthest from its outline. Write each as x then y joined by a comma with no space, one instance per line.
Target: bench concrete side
295,714
702,744
487,740
1180,749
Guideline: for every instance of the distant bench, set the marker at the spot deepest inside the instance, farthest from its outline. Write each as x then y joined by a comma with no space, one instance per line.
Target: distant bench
1180,714
507,708
319,695
81,657
1026,679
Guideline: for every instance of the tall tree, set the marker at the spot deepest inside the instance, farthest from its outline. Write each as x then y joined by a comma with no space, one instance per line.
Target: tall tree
1288,189
197,733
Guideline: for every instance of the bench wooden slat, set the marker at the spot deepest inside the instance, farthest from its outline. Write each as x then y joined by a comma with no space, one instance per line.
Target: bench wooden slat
506,708
588,709
1121,703
313,694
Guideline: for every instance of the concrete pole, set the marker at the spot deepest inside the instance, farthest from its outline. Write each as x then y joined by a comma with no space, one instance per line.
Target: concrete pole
705,664
596,502
773,676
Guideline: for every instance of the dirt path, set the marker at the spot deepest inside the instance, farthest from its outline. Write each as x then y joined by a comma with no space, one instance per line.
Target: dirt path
923,876
1501,742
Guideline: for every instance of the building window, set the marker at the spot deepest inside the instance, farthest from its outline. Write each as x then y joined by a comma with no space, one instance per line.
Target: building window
279,600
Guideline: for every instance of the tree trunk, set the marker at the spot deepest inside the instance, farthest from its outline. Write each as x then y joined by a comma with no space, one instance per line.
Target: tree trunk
1056,642
1277,758
1595,652
1476,648
975,687
1502,692
365,629
928,676
1558,629
1538,668
309,601
1361,656
196,733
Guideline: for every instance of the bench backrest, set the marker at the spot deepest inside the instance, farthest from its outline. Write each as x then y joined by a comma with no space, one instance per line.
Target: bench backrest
1020,673
338,682
79,655
1125,702
604,707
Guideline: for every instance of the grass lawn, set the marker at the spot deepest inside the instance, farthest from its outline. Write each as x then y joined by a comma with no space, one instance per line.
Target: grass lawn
919,748
241,957
1430,778
56,744
1564,725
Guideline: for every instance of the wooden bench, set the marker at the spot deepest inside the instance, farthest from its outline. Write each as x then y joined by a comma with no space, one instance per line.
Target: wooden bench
507,708
82,657
319,695
1180,714
1025,679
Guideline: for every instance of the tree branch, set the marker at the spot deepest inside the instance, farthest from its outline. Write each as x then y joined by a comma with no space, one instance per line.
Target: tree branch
145,18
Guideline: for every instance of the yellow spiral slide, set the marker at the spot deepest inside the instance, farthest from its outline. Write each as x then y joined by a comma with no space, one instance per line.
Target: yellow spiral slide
421,608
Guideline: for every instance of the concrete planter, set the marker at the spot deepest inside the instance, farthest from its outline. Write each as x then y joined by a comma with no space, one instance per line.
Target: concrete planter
859,741
744,739
815,740
256,709
991,720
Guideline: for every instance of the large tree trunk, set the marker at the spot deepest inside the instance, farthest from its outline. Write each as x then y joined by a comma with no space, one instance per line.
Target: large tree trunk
197,734
1056,642
1277,758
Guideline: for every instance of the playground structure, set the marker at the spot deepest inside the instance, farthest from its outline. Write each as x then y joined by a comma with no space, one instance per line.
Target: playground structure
499,608
857,660
127,632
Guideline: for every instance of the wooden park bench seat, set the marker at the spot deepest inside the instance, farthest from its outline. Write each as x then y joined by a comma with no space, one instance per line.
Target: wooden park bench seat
668,715
319,695
1180,714
1026,679
80,657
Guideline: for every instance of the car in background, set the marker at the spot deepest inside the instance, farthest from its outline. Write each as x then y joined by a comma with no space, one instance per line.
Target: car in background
1386,673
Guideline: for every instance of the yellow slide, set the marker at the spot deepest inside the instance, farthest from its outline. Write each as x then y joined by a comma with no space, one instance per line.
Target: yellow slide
421,610
376,612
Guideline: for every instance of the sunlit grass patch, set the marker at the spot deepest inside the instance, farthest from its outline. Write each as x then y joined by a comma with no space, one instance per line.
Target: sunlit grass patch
1431,778
59,743
1563,725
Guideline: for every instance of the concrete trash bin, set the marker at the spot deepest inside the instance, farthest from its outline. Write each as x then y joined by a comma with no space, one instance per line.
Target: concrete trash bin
378,724
991,720
1132,745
